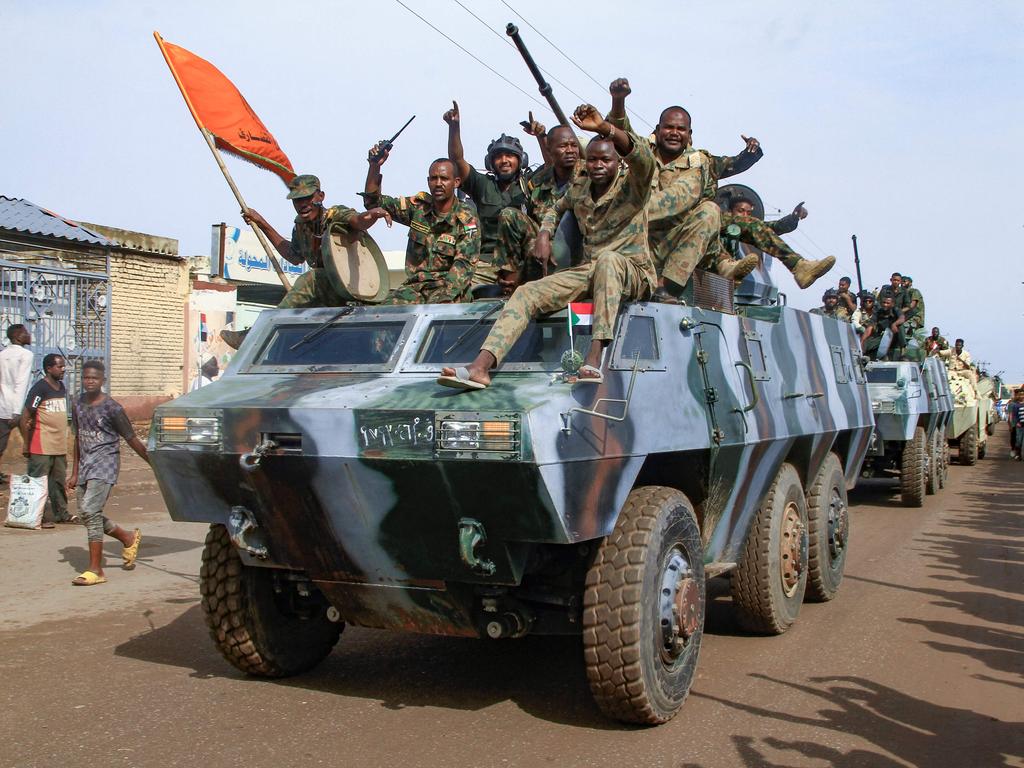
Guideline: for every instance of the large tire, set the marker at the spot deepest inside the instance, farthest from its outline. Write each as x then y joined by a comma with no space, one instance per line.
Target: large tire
934,455
968,453
770,579
643,608
828,524
246,622
912,470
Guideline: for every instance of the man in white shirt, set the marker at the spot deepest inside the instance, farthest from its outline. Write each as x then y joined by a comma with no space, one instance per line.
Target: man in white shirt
15,376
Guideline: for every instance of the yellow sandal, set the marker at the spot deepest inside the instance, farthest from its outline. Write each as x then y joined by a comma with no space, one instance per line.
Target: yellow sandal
88,579
130,552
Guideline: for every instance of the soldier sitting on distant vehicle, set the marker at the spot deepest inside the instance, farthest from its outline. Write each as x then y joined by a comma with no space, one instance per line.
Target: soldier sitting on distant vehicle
862,317
610,205
444,239
829,305
313,288
915,304
847,301
935,343
885,318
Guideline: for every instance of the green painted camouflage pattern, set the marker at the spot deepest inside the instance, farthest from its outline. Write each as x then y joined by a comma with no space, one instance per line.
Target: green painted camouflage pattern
759,234
442,252
313,288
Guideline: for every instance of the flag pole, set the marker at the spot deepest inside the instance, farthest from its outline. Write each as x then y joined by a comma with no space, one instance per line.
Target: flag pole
223,168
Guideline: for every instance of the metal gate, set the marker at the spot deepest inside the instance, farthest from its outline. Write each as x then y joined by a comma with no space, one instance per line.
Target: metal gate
66,311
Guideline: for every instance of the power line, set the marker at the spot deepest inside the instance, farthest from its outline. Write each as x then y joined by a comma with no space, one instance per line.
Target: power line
471,55
569,58
504,39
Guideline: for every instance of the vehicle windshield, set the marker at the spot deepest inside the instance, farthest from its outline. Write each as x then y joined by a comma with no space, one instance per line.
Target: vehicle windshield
344,344
883,375
543,342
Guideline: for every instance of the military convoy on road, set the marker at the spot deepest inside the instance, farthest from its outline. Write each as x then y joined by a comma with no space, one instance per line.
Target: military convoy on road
912,405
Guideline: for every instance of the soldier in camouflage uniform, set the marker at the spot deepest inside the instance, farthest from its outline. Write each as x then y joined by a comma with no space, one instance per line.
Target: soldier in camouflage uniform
886,317
444,240
936,342
829,305
862,317
504,186
915,303
313,288
741,224
518,229
847,302
610,204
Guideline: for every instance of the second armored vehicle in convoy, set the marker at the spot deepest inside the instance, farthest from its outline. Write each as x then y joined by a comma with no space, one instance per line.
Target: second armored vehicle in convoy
912,407
967,430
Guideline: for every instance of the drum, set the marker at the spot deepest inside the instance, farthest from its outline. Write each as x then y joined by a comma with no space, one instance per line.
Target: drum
356,268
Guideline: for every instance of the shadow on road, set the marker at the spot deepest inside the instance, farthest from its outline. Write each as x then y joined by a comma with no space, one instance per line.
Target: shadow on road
544,676
916,731
152,546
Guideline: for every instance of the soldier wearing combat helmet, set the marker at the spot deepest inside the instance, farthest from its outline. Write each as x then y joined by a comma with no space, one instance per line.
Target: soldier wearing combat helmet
503,186
829,305
312,220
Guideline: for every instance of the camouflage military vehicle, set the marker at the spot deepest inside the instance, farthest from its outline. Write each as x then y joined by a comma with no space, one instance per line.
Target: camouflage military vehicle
912,406
967,428
989,388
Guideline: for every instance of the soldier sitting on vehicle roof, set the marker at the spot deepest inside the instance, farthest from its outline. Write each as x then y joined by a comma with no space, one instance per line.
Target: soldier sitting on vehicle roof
915,303
829,305
503,186
847,301
312,221
685,220
741,224
885,318
610,203
936,342
518,228
862,317
444,240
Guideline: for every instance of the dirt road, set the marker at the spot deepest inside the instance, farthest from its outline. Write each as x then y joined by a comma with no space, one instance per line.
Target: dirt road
918,662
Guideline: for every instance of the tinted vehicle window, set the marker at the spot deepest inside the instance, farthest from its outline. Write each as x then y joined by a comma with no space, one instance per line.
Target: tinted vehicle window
341,344
882,375
542,342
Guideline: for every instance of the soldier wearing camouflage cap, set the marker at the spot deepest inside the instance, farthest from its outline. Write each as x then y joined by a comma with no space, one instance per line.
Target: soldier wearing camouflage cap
312,221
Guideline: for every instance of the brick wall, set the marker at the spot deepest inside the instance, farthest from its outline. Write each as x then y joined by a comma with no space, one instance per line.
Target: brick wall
147,327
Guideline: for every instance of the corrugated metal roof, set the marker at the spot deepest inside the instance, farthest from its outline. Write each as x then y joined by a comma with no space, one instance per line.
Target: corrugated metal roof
19,215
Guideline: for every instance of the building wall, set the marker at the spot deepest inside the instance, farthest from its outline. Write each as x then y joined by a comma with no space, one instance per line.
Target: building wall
147,327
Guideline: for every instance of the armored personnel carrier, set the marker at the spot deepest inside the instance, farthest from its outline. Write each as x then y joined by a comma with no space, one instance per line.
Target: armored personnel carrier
343,486
912,406
967,429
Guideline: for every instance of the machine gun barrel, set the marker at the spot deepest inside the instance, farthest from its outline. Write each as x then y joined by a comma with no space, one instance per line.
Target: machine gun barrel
545,87
856,262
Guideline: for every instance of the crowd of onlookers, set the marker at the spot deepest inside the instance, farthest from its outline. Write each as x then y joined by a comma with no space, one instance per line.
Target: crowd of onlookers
1015,418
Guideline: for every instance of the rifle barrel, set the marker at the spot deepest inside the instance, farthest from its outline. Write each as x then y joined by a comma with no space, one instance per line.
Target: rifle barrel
545,87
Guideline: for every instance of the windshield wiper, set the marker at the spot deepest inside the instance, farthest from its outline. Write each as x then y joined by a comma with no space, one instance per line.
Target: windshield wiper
322,327
498,305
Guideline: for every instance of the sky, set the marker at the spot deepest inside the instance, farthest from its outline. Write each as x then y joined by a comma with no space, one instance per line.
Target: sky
900,122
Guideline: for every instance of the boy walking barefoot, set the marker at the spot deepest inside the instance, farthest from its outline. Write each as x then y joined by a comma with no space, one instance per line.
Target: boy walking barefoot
99,423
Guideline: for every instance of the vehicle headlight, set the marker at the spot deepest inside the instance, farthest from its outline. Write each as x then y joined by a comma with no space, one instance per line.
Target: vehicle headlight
203,430
479,435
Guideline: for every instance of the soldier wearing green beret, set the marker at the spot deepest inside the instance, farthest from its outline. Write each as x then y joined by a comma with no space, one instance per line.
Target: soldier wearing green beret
444,239
312,221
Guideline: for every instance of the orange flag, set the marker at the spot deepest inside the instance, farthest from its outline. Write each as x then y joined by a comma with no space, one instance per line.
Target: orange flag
220,109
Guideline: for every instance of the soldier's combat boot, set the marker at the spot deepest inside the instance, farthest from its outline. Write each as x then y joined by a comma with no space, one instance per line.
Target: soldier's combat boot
234,339
809,270
737,269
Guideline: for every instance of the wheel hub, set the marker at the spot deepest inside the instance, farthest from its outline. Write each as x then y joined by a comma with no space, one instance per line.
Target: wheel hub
791,548
679,605
838,524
